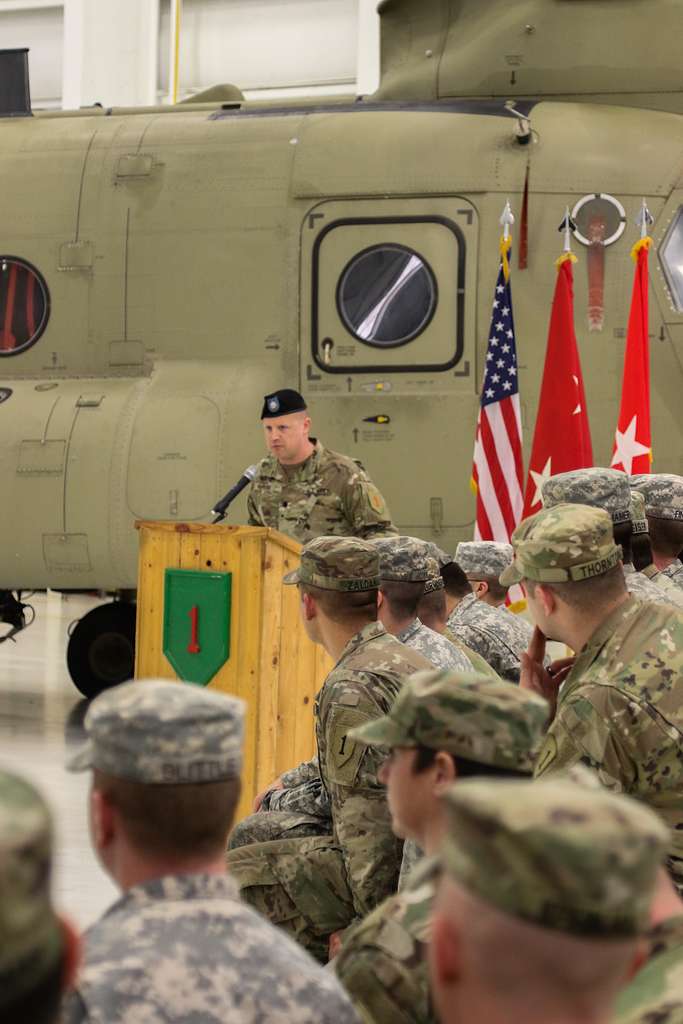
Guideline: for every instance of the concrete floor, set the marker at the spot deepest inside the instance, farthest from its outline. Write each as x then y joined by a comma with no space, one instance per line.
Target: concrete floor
41,715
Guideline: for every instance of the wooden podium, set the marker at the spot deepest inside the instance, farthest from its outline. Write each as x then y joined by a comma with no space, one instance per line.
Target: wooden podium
213,596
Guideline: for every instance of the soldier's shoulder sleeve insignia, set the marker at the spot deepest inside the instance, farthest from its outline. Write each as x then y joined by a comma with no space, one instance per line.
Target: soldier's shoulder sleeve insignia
546,756
376,500
344,755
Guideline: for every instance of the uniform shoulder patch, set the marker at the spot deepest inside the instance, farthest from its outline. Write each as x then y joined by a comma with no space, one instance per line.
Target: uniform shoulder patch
343,754
376,500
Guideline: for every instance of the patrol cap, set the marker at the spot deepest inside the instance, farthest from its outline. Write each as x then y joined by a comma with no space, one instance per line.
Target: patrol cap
663,493
465,714
405,560
30,934
438,553
344,564
564,856
597,486
637,513
282,403
480,559
565,542
160,732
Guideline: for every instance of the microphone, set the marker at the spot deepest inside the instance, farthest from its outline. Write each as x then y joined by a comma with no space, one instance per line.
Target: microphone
221,507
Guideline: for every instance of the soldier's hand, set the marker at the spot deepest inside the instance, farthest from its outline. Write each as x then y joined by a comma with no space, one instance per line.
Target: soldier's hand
260,797
536,677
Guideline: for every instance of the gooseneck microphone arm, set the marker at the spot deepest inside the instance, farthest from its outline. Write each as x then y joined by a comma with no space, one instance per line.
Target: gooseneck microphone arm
220,508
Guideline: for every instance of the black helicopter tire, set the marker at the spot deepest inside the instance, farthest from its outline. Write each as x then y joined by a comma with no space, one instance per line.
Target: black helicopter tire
101,650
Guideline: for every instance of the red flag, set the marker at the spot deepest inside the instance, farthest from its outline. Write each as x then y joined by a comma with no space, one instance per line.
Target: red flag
562,439
632,443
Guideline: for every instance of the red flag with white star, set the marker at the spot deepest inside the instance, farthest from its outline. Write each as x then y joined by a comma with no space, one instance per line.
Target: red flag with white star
632,443
562,439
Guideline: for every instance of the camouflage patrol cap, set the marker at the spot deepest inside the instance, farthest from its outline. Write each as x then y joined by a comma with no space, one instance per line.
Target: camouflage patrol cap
344,564
480,559
30,934
663,493
598,487
465,714
405,560
437,553
159,732
565,542
637,513
563,856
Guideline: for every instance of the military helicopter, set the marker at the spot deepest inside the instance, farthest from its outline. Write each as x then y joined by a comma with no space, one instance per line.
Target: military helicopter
161,269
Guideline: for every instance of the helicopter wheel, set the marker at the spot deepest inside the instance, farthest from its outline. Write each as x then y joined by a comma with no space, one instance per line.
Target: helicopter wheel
101,650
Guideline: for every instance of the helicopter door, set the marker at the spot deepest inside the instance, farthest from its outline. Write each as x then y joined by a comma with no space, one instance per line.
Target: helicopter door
387,314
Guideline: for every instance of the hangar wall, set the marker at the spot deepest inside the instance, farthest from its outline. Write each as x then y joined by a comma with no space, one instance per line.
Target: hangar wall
118,53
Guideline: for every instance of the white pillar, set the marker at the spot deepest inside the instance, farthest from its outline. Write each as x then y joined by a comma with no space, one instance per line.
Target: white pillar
368,47
110,53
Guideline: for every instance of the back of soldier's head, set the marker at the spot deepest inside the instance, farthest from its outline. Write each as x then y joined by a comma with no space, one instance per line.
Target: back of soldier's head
168,757
405,565
32,943
342,575
455,581
548,885
663,494
482,562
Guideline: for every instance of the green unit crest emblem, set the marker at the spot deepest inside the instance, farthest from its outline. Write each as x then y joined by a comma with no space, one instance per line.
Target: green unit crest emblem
196,638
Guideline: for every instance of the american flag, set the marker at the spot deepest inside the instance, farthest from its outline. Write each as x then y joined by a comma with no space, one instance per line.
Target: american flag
498,472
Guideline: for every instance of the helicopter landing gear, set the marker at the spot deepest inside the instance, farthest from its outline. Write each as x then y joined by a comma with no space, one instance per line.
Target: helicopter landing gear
101,650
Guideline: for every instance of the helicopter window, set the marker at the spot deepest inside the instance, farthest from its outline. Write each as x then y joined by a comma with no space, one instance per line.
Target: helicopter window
671,255
387,295
24,305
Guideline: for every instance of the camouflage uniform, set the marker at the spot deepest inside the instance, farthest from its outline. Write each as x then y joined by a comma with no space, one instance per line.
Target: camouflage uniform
497,635
328,494
620,710
183,947
382,962
31,946
317,884
663,493
437,649
479,664
556,854
610,490
655,994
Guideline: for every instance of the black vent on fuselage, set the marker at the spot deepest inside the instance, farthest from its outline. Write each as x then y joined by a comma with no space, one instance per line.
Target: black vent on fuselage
15,93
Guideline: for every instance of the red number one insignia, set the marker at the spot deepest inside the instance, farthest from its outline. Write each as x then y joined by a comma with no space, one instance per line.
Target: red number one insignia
193,646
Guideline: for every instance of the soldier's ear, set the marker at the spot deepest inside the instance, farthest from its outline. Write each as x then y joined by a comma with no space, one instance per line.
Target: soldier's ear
309,606
546,597
445,772
101,819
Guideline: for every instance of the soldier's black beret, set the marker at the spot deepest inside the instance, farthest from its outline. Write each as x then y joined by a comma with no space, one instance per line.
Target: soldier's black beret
282,403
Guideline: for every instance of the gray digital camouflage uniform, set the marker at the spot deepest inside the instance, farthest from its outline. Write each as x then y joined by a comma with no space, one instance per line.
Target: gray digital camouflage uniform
620,711
483,559
382,963
315,884
30,935
556,854
655,994
329,494
610,490
498,635
439,651
663,493
183,948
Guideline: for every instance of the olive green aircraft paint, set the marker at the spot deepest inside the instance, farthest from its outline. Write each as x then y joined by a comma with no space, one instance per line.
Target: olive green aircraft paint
186,261
197,612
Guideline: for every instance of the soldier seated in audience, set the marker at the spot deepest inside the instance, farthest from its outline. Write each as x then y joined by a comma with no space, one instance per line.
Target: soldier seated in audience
609,489
497,635
620,710
444,727
405,566
314,885
483,561
543,897
179,946
655,994
663,493
38,950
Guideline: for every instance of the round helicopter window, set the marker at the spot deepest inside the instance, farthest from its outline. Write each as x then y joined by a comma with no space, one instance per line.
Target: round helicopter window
600,219
24,305
387,295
